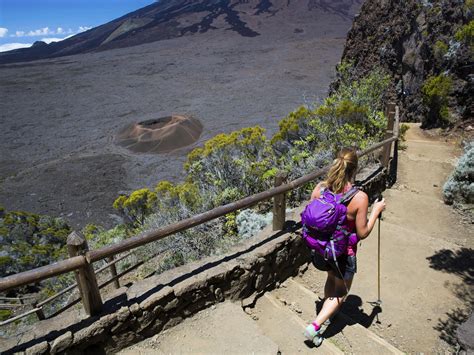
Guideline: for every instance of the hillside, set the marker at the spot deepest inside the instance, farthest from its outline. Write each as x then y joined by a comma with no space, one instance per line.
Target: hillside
176,18
59,117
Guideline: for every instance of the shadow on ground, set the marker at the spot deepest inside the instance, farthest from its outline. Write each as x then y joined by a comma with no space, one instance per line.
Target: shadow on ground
461,263
352,307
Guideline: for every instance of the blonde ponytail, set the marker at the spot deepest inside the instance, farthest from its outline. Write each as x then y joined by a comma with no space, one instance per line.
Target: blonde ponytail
342,170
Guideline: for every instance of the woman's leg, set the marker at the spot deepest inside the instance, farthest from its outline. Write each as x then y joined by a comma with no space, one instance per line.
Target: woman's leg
329,287
334,299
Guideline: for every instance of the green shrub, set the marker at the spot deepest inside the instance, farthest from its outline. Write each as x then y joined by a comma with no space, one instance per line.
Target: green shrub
402,134
29,240
435,91
238,160
440,49
459,188
466,34
137,206
98,237
469,5
5,314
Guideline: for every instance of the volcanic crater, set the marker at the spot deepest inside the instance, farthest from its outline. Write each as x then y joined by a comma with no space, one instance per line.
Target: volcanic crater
160,135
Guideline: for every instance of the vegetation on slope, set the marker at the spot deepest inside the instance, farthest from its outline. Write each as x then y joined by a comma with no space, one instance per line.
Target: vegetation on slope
234,165
28,240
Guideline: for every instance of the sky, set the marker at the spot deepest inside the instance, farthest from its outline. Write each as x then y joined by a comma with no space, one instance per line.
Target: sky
22,22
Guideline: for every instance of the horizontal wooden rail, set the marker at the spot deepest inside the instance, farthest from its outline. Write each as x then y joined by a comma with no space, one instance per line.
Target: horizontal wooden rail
19,299
41,273
39,306
74,285
10,305
102,285
11,320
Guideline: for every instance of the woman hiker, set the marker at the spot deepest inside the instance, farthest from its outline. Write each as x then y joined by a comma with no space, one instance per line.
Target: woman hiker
340,275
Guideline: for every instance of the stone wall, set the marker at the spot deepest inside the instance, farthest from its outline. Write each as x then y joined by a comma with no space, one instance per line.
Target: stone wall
160,302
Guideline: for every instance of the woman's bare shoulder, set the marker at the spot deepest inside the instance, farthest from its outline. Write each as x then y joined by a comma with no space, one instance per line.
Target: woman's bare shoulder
361,197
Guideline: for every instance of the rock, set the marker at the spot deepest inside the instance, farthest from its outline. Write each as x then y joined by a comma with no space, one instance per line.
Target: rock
135,309
171,304
61,343
95,330
123,314
465,334
219,295
38,349
156,298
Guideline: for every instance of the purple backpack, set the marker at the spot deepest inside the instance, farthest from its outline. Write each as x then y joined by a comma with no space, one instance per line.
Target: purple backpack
323,223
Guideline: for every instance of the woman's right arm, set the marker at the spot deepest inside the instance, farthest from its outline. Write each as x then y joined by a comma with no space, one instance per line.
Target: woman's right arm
316,192
364,226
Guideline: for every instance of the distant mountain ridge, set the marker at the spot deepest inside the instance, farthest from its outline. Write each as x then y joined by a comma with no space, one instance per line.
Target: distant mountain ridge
175,18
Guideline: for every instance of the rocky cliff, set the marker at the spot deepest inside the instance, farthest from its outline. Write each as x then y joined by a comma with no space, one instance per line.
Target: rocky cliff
427,47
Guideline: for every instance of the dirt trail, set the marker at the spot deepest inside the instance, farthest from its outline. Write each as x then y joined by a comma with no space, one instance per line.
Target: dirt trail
425,257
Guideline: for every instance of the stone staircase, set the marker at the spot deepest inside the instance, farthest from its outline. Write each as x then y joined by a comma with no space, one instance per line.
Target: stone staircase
348,335
270,323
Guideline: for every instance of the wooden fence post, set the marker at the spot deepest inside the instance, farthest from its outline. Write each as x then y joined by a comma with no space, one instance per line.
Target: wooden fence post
39,312
85,276
390,112
279,204
113,272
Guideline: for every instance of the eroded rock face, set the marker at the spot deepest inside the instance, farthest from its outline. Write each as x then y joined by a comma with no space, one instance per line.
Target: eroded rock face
161,135
414,41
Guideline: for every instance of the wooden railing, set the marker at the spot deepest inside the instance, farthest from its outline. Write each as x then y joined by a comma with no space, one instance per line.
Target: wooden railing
81,258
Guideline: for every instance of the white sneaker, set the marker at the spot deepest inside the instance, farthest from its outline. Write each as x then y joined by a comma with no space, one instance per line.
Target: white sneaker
313,335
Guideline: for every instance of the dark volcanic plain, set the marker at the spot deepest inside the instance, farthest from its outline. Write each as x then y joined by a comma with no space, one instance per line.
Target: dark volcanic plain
59,116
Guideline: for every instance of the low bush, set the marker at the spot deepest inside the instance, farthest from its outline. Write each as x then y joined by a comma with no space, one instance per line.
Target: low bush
459,188
435,91
28,240
466,34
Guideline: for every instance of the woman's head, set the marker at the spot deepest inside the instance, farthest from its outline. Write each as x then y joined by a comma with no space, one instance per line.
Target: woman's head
343,170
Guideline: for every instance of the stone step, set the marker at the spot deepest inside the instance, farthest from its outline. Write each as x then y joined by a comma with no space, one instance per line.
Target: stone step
285,328
221,329
347,334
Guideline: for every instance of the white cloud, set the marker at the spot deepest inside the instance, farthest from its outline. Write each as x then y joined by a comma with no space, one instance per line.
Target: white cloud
10,46
3,31
41,32
46,31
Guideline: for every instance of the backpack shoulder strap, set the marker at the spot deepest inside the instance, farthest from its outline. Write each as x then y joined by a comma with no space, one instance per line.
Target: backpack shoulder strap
347,197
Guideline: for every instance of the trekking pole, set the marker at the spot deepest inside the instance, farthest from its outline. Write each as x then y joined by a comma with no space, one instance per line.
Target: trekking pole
379,301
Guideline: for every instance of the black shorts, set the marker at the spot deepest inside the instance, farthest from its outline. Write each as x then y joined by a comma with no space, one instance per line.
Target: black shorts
347,265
